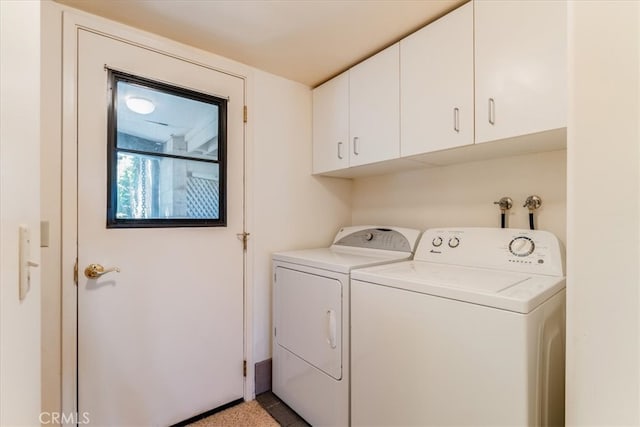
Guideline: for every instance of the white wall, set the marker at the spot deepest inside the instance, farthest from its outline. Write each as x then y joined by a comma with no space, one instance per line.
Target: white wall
291,208
463,194
603,283
19,204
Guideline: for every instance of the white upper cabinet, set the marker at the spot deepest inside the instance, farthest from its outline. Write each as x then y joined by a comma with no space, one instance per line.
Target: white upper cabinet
490,70
331,125
520,67
436,84
374,108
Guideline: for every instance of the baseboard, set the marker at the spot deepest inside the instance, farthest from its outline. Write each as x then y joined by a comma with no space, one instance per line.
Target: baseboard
263,376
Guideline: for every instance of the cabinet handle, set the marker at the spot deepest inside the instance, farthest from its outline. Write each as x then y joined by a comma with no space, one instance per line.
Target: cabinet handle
355,145
340,150
456,119
492,111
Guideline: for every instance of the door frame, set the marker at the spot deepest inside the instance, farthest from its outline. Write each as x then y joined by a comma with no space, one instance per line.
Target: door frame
72,22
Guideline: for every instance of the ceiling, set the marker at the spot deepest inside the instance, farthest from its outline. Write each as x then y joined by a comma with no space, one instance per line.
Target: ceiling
308,41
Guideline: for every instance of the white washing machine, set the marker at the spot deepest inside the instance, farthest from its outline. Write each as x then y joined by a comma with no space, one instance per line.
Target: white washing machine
469,333
311,318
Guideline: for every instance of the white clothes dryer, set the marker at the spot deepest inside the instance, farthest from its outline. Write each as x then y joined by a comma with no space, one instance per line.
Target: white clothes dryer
311,317
469,333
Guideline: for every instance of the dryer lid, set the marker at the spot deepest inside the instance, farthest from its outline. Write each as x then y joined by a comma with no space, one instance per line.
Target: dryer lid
340,259
357,247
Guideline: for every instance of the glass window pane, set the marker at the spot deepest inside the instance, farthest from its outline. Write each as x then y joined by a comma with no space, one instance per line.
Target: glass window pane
156,187
167,158
154,120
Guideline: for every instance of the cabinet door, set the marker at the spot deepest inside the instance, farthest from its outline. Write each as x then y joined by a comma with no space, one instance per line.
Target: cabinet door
521,67
436,81
331,125
374,108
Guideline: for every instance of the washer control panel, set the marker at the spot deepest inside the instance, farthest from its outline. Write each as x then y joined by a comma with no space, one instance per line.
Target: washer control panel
532,251
378,237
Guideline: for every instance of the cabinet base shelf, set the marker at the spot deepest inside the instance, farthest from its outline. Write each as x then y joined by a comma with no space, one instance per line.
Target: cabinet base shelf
551,140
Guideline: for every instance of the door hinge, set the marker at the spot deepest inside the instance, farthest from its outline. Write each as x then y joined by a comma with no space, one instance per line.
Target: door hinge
244,368
244,236
244,114
75,272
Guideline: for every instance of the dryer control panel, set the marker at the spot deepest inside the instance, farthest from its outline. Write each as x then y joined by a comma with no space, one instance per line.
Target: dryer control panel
378,237
526,251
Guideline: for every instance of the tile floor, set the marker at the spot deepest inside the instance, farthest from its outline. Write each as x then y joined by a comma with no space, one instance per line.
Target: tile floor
280,411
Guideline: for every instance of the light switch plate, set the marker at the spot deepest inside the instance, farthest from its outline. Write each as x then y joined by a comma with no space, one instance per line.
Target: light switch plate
44,234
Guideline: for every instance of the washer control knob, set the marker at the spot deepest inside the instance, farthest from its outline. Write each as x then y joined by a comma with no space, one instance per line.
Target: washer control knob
437,241
454,242
368,236
521,246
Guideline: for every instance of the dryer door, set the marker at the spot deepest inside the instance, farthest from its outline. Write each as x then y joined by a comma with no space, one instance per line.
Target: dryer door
308,318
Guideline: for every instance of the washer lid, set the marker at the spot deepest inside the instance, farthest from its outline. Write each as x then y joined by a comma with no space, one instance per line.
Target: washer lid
341,259
517,292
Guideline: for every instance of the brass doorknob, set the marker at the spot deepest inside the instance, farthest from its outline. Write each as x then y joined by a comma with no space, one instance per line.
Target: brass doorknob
93,271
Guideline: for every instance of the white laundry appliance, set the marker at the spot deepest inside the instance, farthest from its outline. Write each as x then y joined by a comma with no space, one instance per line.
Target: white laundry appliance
311,317
469,333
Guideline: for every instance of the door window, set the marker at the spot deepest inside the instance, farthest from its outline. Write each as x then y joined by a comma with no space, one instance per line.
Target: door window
167,155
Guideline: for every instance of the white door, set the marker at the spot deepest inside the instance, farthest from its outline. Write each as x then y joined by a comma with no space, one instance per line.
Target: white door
162,340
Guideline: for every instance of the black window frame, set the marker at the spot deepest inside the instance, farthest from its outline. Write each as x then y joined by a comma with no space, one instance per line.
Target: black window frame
114,77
